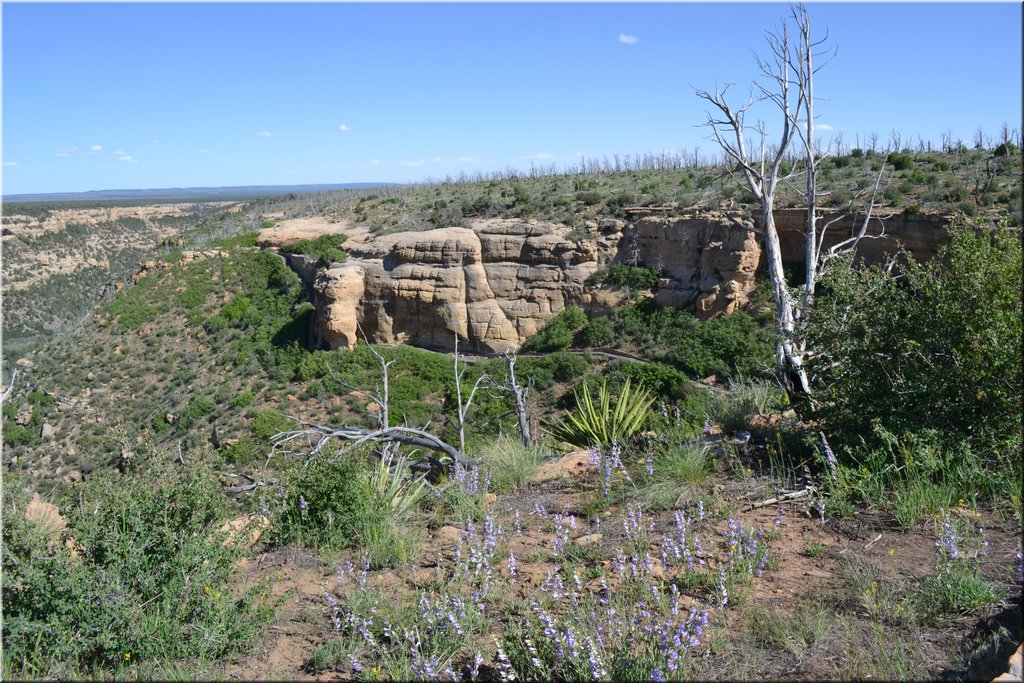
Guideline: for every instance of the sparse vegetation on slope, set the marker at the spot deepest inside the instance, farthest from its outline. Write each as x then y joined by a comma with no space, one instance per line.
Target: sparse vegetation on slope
514,566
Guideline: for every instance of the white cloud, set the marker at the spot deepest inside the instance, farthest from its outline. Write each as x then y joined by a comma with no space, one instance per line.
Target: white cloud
203,151
375,162
69,152
344,128
264,134
823,127
542,156
417,162
628,39
121,156
10,163
96,148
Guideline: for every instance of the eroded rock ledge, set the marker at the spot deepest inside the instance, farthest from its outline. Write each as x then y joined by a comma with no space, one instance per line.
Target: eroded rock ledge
498,281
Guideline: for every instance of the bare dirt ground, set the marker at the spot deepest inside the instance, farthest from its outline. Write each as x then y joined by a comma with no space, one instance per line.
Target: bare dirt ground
813,561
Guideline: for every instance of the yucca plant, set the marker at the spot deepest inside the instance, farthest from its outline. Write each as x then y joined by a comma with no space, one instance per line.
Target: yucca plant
394,488
601,423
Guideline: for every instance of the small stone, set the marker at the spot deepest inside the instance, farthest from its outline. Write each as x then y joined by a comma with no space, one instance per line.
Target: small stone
245,530
448,535
47,431
490,499
589,539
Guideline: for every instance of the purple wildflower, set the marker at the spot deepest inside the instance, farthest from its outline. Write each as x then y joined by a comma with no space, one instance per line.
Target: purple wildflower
477,661
947,543
830,457
303,504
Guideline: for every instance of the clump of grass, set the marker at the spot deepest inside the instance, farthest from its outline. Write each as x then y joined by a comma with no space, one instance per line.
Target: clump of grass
957,587
511,462
807,626
735,409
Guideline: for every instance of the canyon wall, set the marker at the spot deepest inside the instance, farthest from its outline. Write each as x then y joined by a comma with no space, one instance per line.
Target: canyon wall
497,281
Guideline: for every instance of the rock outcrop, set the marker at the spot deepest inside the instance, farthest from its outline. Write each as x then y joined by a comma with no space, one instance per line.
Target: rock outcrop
919,233
498,281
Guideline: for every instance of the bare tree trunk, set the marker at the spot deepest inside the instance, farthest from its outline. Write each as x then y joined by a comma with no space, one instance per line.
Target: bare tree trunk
519,393
463,408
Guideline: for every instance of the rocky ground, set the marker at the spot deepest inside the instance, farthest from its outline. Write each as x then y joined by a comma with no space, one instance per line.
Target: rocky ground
813,564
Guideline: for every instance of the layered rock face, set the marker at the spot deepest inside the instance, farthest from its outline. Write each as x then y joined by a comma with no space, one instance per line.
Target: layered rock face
919,233
493,286
498,282
711,258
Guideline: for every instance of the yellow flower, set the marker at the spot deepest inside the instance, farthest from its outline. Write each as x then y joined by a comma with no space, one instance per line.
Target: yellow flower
892,552
127,656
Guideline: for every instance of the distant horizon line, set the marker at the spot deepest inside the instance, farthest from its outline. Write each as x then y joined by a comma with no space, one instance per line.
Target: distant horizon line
196,192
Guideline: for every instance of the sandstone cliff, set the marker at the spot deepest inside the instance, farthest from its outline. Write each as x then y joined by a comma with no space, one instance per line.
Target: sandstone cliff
498,281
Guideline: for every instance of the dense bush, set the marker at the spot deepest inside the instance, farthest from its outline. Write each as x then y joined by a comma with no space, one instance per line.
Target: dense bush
327,503
900,161
731,346
326,247
557,333
937,348
149,586
622,275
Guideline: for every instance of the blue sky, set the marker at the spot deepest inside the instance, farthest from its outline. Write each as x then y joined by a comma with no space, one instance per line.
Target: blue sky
104,96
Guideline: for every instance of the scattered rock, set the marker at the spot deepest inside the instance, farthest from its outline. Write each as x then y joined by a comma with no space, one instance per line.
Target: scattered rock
245,530
24,416
571,464
589,539
47,431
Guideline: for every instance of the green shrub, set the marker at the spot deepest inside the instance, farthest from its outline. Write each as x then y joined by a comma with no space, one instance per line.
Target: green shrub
328,503
937,349
900,161
622,275
269,422
199,407
326,247
151,586
597,332
242,399
559,366
557,333
659,379
1005,149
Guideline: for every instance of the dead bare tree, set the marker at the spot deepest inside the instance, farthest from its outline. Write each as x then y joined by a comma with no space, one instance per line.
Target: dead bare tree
10,387
463,408
762,174
789,73
519,396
